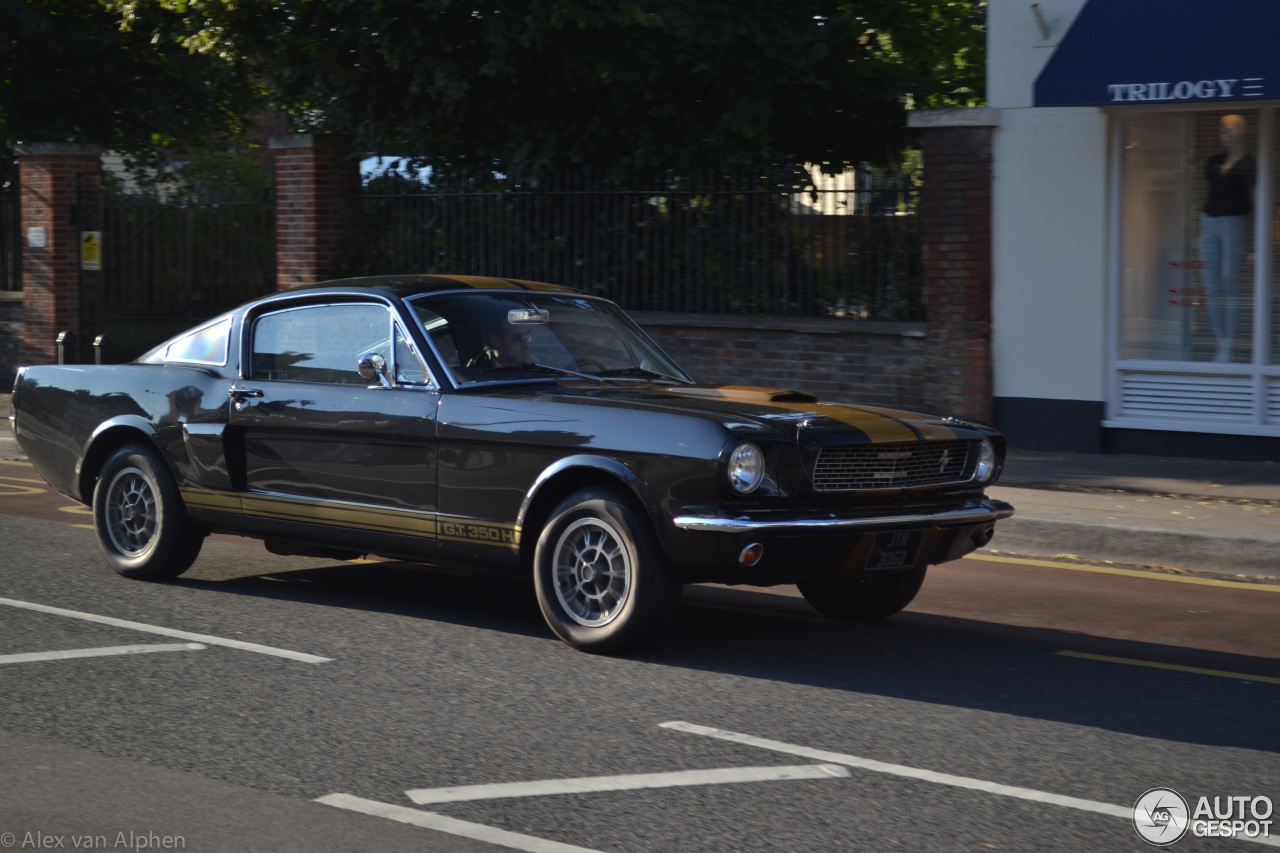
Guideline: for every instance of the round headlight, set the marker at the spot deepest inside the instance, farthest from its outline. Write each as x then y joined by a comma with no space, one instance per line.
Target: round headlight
746,468
985,472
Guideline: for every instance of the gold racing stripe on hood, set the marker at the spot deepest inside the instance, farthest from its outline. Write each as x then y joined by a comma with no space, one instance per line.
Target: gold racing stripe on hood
879,425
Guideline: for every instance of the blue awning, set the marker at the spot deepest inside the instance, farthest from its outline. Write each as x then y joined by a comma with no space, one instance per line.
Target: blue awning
1165,51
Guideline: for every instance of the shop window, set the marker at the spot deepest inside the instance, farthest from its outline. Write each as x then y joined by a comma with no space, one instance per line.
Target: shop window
1188,235
1273,317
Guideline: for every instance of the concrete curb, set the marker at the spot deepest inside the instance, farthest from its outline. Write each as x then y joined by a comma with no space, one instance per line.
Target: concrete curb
1242,552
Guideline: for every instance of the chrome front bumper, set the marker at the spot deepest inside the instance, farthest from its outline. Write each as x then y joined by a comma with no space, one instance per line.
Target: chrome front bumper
972,512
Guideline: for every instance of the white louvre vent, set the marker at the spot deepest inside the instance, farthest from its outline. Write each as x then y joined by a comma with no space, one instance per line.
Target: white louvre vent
1226,399
1273,401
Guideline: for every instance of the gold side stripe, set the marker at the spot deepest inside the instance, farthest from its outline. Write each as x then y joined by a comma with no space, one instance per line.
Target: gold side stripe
425,531
367,518
267,500
466,519
468,530
378,519
211,500
511,545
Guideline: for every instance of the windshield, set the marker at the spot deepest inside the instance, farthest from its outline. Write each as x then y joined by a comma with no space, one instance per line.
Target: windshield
493,337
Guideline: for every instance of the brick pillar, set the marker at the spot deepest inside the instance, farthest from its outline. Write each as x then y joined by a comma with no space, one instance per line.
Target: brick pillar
316,186
50,175
955,209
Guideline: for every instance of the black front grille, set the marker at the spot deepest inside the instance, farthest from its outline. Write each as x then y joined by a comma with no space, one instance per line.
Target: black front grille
887,466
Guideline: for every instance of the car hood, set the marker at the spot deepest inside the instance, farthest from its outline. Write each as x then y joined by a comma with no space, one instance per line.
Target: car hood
779,411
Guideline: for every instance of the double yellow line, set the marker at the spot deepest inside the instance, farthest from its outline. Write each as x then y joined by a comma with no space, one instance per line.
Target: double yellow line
1133,573
1105,570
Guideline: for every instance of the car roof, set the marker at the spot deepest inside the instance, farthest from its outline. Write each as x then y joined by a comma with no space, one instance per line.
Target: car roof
416,283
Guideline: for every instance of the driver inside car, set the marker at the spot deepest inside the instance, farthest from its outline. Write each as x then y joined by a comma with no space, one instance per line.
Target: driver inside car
506,345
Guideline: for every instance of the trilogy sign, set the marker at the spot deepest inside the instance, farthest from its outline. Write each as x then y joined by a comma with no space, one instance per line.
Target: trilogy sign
1187,90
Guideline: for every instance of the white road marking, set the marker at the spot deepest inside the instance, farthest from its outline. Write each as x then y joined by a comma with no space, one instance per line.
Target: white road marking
1125,812
631,782
102,651
166,632
453,826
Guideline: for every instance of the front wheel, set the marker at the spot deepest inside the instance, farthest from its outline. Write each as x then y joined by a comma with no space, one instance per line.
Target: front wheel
142,526
863,599
603,583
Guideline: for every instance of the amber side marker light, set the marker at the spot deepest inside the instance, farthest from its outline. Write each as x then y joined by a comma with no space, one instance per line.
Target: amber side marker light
751,554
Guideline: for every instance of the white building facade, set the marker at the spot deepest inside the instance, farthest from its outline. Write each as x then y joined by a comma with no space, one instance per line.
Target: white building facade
1135,306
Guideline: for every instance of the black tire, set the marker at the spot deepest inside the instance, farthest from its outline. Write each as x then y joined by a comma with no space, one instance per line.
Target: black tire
142,525
603,583
863,599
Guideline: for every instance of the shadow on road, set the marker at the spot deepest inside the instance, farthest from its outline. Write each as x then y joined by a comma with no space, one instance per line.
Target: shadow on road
919,657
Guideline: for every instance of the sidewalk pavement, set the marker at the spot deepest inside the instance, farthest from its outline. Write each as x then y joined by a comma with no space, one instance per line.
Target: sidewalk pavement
1193,514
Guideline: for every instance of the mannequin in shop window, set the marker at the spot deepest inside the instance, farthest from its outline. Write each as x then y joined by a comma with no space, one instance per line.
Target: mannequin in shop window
1231,177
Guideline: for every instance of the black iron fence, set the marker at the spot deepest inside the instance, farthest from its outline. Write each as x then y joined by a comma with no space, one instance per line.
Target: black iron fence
10,241
781,244
773,245
168,264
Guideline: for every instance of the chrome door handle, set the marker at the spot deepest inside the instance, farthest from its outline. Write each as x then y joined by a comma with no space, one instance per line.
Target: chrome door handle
238,396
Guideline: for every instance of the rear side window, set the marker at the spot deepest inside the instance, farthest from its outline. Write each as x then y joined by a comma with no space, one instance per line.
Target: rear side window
203,346
319,343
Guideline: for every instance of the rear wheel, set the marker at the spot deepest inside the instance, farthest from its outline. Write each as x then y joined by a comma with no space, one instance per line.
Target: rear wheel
863,599
142,526
603,583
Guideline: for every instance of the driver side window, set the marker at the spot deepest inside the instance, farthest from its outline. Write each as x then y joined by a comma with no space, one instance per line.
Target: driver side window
319,343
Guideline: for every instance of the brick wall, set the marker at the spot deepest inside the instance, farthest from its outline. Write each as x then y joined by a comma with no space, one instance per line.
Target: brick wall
956,235
316,183
880,364
50,174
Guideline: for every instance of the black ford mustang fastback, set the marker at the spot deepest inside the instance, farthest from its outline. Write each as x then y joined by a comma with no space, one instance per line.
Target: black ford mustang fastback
462,420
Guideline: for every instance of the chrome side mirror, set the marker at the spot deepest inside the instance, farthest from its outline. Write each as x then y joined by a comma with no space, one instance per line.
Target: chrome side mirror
373,367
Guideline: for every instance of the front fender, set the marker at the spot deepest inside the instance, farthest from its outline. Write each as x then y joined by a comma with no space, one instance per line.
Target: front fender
591,464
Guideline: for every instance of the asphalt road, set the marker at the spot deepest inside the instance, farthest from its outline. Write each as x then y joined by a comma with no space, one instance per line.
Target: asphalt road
276,704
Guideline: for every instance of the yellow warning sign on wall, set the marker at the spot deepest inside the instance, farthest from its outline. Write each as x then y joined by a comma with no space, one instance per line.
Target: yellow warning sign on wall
90,250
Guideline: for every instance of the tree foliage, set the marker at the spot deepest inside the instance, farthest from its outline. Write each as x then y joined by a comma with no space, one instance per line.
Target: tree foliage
70,73
624,84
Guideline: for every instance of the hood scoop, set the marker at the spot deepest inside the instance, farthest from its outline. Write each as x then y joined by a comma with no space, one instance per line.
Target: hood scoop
742,393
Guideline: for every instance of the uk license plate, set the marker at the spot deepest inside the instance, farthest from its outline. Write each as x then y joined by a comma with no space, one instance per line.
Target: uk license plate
895,549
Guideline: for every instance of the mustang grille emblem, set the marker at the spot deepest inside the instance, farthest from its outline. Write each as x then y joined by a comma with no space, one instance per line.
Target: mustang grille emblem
942,464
